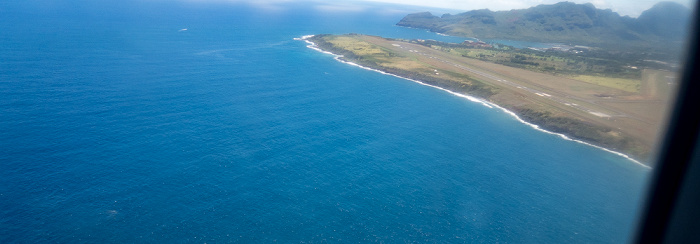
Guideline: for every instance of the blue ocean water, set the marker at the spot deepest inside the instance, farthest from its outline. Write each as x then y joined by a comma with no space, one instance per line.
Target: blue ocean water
118,125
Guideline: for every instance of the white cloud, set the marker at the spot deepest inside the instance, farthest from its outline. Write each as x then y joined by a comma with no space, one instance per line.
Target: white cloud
632,8
340,8
623,7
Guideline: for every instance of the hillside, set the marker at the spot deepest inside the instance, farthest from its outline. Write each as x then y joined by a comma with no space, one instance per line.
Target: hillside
659,30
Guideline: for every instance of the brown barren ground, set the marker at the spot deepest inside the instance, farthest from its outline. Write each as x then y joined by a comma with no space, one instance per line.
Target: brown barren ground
636,117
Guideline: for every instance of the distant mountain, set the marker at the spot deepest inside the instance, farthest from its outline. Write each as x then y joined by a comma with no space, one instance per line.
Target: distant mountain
565,22
665,19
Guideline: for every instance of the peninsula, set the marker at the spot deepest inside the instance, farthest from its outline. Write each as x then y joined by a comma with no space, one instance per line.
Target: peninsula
622,113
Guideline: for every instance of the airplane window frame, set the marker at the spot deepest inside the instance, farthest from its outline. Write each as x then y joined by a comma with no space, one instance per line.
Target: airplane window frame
667,197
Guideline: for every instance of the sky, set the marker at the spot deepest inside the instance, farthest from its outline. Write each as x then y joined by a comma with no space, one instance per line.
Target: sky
632,8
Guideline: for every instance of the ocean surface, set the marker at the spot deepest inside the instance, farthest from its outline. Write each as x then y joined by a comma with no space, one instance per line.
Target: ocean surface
205,121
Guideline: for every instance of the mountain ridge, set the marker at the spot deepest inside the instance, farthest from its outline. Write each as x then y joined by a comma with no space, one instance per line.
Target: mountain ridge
566,22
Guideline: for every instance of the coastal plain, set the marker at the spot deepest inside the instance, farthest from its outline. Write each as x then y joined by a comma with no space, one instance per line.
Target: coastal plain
623,115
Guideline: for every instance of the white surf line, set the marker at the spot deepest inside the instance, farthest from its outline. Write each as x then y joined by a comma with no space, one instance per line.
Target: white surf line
473,99
537,127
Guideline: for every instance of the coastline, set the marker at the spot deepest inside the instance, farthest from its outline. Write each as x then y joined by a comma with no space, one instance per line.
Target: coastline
488,104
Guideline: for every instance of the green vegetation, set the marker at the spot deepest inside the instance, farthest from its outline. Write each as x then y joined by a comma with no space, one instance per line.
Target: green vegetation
629,85
657,34
559,104
586,62
373,56
581,130
595,67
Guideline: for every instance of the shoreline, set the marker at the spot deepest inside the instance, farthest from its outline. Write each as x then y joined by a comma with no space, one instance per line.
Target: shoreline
488,104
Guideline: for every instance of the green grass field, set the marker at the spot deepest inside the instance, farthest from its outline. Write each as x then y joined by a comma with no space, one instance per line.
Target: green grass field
629,85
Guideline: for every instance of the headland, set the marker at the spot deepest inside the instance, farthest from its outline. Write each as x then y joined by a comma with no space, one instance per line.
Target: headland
622,115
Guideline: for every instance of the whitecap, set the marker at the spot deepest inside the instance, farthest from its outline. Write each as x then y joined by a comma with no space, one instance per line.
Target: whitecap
476,100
